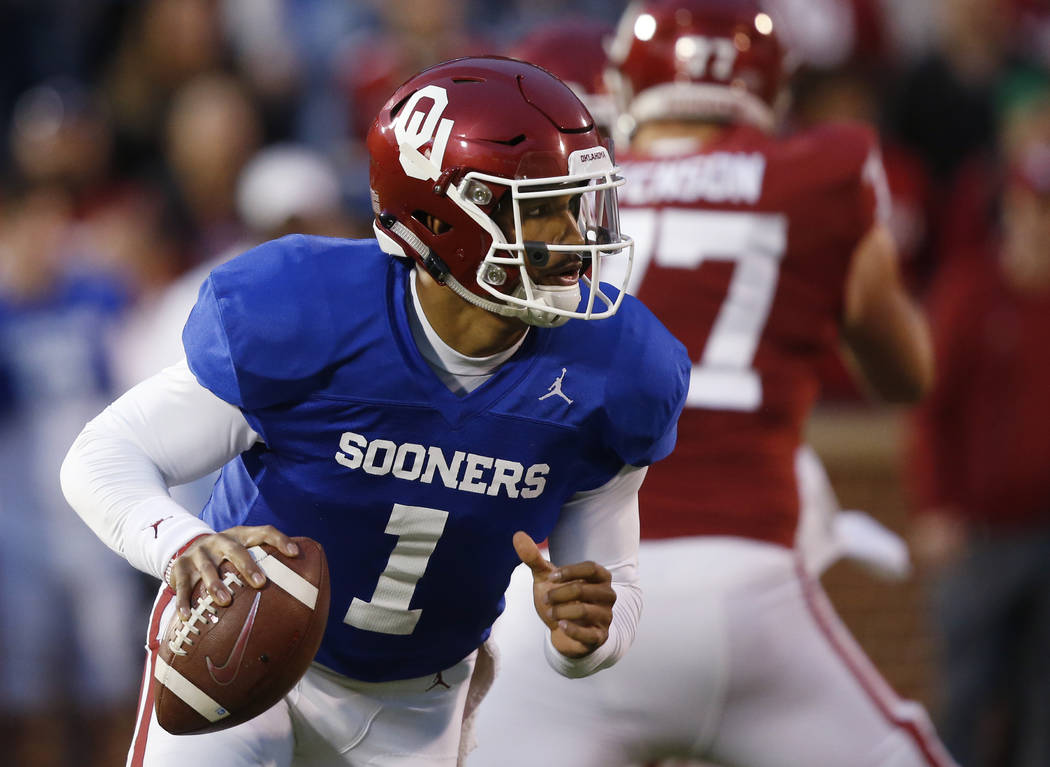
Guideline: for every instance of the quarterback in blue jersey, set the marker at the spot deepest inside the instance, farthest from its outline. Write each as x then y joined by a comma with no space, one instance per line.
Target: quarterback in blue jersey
427,405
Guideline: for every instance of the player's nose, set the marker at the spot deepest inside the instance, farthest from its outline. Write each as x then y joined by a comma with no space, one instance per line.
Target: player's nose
568,230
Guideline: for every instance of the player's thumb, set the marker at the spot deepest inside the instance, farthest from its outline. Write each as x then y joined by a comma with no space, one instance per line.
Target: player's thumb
529,553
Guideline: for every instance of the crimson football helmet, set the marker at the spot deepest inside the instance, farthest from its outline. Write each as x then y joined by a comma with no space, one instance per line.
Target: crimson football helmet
573,50
698,59
468,138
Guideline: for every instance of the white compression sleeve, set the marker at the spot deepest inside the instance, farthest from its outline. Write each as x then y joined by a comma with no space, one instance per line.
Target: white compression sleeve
166,431
602,525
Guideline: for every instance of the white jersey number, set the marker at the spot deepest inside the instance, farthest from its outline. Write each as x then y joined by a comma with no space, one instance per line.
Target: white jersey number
724,378
703,56
418,530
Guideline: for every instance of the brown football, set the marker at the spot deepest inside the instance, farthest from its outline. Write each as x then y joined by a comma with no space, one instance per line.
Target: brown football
226,665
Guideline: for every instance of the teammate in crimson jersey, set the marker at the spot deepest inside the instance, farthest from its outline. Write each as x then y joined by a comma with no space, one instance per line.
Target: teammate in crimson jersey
411,403
744,248
760,253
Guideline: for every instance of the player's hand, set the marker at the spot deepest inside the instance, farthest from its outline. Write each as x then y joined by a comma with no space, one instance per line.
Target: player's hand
202,559
938,538
575,601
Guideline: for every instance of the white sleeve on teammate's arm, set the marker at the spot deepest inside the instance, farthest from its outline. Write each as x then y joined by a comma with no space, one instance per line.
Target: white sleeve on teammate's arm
602,525
166,431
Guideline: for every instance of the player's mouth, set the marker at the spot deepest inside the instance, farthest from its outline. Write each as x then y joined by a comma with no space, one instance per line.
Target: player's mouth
564,272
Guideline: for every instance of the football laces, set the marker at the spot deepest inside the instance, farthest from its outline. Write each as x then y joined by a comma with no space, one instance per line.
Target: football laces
204,610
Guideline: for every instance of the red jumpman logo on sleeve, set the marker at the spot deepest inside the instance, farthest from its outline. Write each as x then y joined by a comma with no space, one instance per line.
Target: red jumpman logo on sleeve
156,525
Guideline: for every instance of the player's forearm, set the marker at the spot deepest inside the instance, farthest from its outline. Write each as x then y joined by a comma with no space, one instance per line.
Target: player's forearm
121,496
166,431
895,355
602,525
883,327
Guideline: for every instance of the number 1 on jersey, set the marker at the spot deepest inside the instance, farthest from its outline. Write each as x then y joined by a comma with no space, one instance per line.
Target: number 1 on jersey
418,529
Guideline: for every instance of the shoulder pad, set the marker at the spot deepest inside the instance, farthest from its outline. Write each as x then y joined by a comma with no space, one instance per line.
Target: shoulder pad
648,379
269,321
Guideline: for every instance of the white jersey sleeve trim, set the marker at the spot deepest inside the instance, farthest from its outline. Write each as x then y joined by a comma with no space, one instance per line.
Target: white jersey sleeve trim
166,431
602,525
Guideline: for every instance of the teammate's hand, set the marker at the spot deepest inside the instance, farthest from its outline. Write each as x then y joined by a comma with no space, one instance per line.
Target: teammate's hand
202,559
575,601
938,538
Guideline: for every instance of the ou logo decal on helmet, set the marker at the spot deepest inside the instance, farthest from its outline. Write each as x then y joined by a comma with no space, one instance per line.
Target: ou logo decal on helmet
414,128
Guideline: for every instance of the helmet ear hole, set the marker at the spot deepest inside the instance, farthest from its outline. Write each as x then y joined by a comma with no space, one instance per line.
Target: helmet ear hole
431,222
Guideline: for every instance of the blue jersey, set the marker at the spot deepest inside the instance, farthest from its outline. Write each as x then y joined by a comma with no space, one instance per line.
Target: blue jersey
414,492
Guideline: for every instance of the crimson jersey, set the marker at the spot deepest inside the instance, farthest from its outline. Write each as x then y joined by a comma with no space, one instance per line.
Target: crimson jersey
742,250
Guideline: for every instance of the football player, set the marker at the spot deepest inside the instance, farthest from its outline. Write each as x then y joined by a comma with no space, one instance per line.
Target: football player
760,253
411,403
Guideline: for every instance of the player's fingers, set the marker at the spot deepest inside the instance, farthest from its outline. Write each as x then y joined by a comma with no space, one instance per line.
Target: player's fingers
569,647
259,534
581,613
578,591
243,560
184,579
582,571
576,641
209,573
529,553
590,637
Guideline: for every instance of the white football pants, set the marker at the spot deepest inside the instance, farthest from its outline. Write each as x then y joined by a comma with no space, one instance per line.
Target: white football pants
739,659
327,720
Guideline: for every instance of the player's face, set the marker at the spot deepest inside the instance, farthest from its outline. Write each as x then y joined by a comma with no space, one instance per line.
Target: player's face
552,220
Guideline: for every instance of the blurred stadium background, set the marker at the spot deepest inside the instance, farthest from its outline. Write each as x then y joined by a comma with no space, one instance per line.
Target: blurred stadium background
144,139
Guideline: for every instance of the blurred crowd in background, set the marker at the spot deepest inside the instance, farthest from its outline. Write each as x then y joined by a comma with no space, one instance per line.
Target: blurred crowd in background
143,140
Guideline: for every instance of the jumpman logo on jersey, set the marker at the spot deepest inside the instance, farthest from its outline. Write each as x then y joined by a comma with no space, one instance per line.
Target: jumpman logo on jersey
438,680
156,525
555,388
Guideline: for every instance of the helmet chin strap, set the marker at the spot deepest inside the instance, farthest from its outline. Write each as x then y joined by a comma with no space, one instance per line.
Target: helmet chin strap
566,297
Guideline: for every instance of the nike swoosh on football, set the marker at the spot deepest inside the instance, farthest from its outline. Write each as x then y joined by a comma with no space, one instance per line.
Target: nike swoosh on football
227,672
